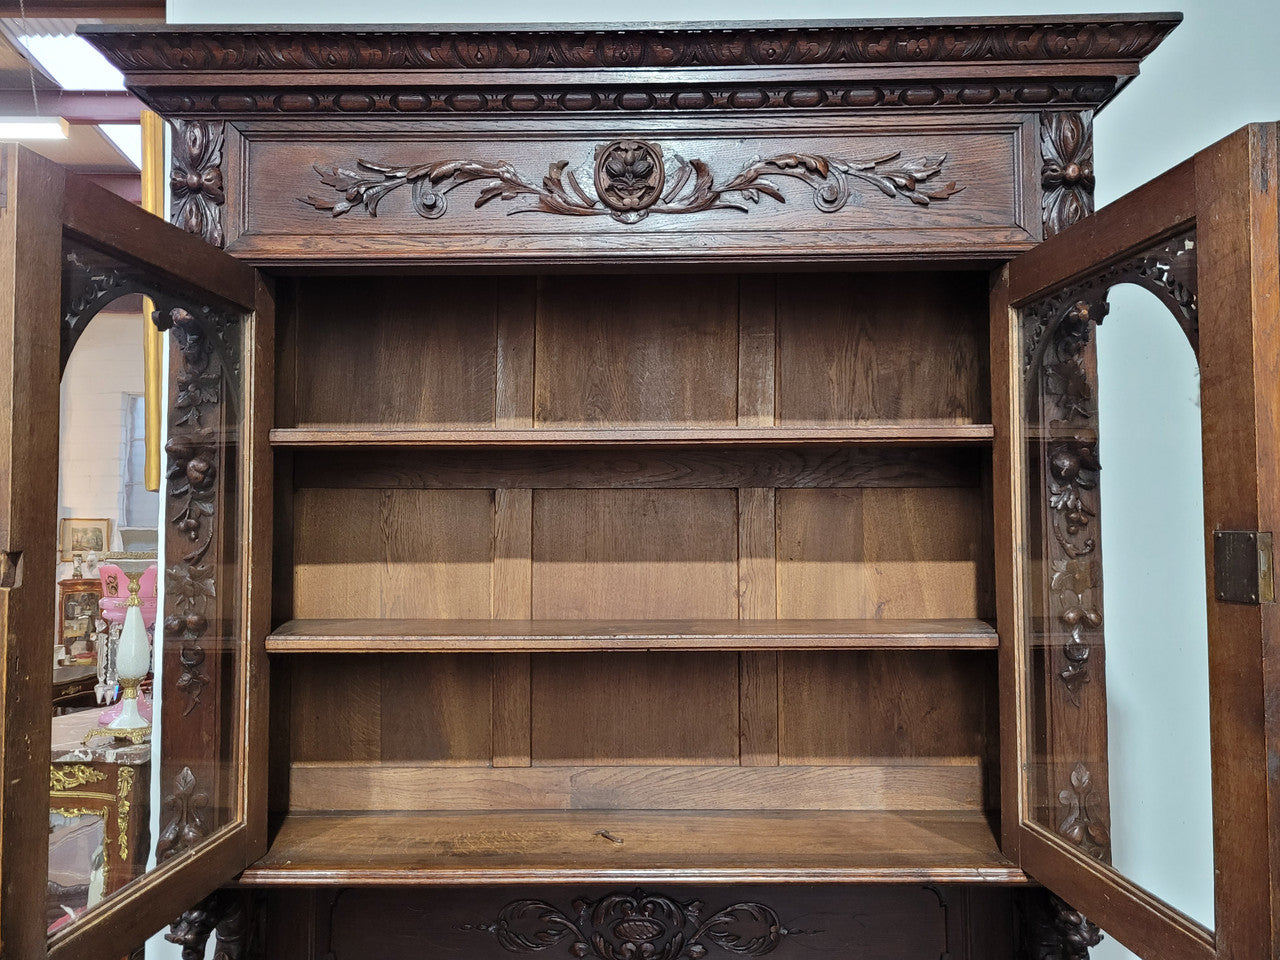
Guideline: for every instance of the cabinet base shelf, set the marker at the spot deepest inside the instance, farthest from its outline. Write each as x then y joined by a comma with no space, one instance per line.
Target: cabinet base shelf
590,846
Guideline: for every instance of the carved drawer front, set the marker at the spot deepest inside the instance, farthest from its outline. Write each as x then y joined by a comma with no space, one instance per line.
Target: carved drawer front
801,922
812,188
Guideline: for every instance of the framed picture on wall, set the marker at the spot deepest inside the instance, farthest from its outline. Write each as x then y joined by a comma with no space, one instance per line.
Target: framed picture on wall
77,610
84,536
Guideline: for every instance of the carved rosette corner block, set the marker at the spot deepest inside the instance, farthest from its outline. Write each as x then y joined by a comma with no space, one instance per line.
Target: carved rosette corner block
627,926
1060,932
195,180
1066,177
630,180
1084,829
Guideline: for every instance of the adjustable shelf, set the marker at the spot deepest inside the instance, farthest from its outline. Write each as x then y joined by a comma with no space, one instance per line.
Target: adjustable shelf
499,636
880,432
641,846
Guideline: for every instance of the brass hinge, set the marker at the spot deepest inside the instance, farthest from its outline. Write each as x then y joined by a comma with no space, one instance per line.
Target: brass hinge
1243,567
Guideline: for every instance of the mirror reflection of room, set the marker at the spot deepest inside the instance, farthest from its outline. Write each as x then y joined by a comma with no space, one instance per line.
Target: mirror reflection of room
99,834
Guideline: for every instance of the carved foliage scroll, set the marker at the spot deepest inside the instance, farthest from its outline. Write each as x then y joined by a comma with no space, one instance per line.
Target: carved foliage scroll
533,50
209,364
628,926
195,181
1066,147
1061,403
631,179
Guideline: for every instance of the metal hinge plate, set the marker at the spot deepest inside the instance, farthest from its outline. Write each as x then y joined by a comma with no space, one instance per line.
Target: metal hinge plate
1243,567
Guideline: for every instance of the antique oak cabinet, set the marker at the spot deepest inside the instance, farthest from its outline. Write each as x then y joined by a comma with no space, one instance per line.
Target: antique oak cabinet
633,492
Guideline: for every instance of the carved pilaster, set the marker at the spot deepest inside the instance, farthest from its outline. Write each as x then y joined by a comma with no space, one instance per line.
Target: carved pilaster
1066,177
195,180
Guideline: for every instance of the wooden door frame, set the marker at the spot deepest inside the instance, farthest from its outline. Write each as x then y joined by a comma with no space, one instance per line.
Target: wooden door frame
42,205
1229,193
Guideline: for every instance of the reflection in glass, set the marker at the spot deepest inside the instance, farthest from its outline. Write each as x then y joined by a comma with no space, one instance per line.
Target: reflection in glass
1111,774
146,655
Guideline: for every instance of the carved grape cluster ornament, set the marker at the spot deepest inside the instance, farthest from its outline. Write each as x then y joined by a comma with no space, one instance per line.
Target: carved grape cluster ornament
631,180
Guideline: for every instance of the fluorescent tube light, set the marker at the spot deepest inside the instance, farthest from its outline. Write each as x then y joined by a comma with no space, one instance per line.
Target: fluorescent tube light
33,128
72,62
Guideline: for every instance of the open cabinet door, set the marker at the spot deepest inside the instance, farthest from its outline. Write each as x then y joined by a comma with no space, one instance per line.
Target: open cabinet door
1139,688
166,807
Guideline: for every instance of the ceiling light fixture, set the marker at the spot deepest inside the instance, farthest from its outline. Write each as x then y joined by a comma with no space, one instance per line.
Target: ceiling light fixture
33,128
72,62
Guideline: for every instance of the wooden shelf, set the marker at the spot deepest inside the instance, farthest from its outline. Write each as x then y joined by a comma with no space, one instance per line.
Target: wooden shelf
889,433
587,846
499,636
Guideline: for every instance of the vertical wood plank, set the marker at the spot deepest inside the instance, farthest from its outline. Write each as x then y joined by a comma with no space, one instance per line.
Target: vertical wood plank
757,344
512,554
1008,532
757,599
512,599
512,719
517,308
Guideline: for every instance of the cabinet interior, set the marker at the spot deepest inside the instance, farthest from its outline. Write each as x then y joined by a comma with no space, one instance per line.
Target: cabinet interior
644,560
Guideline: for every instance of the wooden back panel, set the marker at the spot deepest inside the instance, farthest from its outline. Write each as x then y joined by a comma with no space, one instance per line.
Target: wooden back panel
759,532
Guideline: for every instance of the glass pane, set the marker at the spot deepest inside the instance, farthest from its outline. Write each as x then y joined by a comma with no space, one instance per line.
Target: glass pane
1116,583
145,749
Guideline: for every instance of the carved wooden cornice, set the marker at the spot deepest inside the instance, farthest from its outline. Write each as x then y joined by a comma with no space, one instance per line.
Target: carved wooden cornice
594,47
877,64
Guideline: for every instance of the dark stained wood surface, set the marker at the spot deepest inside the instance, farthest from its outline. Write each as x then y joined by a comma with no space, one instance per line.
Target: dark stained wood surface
665,847
821,921
494,636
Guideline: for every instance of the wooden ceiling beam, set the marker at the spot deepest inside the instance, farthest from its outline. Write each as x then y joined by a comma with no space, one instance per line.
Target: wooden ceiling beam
86,9
76,106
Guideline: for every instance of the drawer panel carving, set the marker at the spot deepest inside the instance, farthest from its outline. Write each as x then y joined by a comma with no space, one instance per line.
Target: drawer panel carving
671,923
590,193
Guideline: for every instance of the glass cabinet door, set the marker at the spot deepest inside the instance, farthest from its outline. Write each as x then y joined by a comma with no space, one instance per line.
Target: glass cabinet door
134,623
1139,353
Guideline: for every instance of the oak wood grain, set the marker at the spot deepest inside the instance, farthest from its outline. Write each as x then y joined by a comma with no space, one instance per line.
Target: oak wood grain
568,847
493,636
914,784
884,432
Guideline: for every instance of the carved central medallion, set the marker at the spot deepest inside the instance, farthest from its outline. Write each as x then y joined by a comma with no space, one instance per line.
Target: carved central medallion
629,175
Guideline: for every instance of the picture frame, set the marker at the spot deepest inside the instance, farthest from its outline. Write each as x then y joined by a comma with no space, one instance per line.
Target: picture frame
77,610
78,535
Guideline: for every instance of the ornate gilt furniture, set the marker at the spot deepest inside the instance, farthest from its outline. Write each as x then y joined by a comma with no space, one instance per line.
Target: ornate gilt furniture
645,461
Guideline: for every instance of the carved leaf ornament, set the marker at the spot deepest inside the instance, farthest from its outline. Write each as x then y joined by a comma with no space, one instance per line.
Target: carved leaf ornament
631,180
636,926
